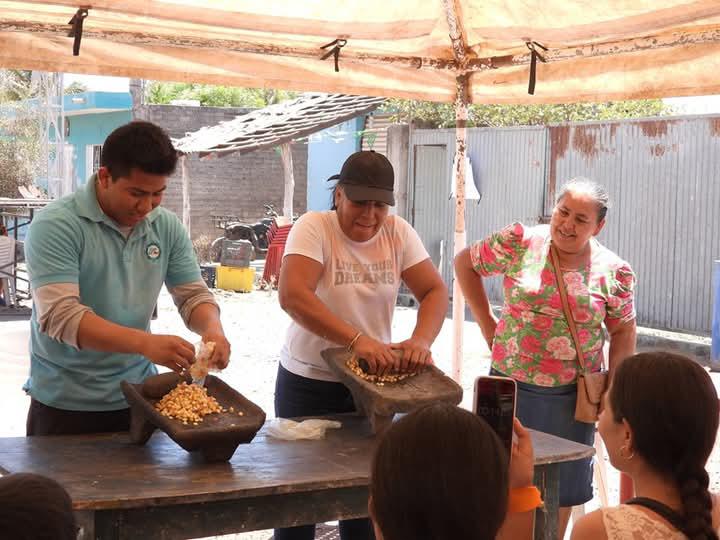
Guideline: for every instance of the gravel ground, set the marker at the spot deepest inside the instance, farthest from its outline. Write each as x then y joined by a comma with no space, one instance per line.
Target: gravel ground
255,326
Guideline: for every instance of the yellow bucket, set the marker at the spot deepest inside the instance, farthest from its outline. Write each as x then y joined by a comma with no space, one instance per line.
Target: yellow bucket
232,278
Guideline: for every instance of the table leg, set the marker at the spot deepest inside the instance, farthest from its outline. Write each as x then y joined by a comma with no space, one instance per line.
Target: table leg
85,520
546,518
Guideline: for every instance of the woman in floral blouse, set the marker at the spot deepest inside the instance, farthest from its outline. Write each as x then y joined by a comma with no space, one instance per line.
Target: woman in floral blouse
532,342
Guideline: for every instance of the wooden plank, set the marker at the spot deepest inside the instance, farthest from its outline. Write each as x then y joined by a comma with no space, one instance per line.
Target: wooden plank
106,471
225,517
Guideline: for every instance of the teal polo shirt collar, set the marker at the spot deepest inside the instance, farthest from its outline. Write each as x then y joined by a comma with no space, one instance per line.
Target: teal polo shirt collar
89,208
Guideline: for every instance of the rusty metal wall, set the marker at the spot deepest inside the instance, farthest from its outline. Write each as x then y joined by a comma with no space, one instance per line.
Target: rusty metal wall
663,176
508,167
431,211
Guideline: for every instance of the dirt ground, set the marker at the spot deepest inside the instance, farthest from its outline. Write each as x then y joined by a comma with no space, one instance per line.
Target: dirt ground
255,326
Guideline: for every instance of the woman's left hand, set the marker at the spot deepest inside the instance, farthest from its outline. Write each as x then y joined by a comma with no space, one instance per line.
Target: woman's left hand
522,462
415,354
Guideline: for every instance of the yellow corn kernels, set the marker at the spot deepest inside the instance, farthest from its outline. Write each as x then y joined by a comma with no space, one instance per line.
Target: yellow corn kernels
188,403
379,380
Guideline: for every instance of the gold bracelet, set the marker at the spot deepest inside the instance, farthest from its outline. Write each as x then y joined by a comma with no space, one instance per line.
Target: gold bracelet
353,341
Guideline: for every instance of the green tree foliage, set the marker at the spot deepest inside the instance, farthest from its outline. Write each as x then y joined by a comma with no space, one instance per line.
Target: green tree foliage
75,88
20,148
20,133
161,93
14,85
442,115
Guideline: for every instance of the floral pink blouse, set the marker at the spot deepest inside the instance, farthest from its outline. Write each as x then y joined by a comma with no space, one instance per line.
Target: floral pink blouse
532,341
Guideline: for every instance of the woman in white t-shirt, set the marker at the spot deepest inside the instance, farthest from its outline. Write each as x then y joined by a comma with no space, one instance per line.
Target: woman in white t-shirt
659,426
339,282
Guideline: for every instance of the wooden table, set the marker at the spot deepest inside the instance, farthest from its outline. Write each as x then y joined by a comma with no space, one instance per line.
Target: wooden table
124,491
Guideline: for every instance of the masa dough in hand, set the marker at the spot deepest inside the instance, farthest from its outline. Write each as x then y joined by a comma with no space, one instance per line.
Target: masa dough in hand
203,354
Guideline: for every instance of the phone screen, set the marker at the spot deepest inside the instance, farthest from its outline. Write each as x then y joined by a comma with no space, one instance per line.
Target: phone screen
495,402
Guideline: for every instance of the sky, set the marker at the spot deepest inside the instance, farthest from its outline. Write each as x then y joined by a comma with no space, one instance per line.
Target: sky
98,83
682,105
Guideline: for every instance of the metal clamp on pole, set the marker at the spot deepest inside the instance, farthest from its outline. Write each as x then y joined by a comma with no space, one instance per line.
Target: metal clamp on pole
77,27
335,51
534,57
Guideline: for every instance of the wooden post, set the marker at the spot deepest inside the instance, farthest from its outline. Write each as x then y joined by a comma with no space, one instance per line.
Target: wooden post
185,194
286,155
458,303
458,39
457,34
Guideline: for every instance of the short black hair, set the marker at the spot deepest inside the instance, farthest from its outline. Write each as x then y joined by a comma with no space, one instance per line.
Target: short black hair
439,472
138,145
34,507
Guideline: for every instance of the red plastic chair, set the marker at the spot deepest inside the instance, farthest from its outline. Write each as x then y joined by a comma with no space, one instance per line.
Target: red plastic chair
277,237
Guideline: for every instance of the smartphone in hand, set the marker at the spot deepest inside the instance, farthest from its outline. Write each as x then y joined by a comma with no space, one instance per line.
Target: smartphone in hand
494,401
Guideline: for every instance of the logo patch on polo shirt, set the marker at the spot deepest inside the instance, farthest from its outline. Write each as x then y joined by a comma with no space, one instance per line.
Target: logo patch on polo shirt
152,251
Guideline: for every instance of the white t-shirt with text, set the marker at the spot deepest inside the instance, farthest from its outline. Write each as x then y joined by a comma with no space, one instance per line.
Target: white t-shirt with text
359,283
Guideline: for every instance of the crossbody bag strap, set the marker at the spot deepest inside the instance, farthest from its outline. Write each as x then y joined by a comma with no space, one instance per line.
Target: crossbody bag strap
566,307
672,516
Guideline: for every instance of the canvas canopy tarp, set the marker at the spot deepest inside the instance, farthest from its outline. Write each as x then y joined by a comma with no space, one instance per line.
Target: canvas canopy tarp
596,50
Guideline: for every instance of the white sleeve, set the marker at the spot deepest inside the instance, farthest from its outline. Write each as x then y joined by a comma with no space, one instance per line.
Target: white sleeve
414,251
306,237
58,310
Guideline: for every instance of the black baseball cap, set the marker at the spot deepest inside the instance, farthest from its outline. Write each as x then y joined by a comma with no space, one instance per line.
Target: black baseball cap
367,176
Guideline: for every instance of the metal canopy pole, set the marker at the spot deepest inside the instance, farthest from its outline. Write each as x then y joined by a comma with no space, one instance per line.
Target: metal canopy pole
458,300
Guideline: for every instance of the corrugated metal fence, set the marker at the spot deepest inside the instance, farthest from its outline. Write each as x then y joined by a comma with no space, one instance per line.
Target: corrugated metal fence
664,180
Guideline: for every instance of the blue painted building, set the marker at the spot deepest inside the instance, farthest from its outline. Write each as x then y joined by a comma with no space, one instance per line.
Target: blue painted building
327,150
89,118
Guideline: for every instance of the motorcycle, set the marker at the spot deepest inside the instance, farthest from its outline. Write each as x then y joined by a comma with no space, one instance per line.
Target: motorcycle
262,227
255,233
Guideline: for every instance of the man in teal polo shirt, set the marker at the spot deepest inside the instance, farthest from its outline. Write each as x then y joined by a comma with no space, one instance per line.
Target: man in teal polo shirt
97,260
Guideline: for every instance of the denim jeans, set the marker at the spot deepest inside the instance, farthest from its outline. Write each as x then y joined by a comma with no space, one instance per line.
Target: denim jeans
552,410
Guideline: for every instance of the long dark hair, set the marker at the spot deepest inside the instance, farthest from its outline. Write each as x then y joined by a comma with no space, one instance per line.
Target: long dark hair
333,191
34,507
439,473
671,405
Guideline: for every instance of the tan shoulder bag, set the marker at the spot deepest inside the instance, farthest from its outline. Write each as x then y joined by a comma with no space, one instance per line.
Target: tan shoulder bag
590,386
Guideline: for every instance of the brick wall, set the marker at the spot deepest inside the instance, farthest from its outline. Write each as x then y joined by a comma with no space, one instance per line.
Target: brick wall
238,184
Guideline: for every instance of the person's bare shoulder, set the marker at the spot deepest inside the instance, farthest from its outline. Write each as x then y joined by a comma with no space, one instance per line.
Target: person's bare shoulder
715,510
589,527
